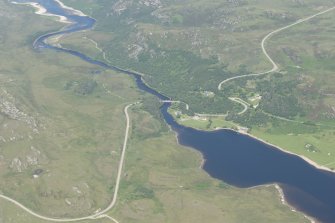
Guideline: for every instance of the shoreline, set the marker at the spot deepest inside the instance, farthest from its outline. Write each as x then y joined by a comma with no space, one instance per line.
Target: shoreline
284,202
276,185
74,11
40,10
308,160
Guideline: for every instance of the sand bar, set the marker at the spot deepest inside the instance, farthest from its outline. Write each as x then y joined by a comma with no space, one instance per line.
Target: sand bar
42,11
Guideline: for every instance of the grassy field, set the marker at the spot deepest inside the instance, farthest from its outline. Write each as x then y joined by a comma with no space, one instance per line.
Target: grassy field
316,146
62,120
202,122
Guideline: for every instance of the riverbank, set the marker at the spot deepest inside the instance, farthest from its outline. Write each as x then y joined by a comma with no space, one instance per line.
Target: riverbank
284,202
40,10
74,11
315,164
244,132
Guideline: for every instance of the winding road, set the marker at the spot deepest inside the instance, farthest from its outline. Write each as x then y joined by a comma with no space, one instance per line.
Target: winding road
267,37
100,214
245,104
275,66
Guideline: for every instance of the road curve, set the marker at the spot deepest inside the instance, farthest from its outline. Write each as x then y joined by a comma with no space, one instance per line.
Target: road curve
108,217
274,65
245,104
100,214
41,216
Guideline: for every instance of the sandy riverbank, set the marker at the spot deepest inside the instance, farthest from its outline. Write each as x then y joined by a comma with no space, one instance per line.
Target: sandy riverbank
40,10
74,11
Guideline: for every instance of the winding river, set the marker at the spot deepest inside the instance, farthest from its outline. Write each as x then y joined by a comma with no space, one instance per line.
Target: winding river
237,159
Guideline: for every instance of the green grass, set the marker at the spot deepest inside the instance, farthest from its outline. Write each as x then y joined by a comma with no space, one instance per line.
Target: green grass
322,142
202,123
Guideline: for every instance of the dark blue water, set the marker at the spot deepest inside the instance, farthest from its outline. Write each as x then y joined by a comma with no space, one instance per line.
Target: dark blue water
246,162
232,157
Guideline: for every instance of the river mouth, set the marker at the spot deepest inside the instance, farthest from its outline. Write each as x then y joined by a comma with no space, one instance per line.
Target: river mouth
234,158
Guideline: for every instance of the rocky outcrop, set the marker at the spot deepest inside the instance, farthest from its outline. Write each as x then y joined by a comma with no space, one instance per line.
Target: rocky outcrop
34,157
8,108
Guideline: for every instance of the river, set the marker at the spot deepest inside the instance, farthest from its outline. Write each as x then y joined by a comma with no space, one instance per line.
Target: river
234,158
